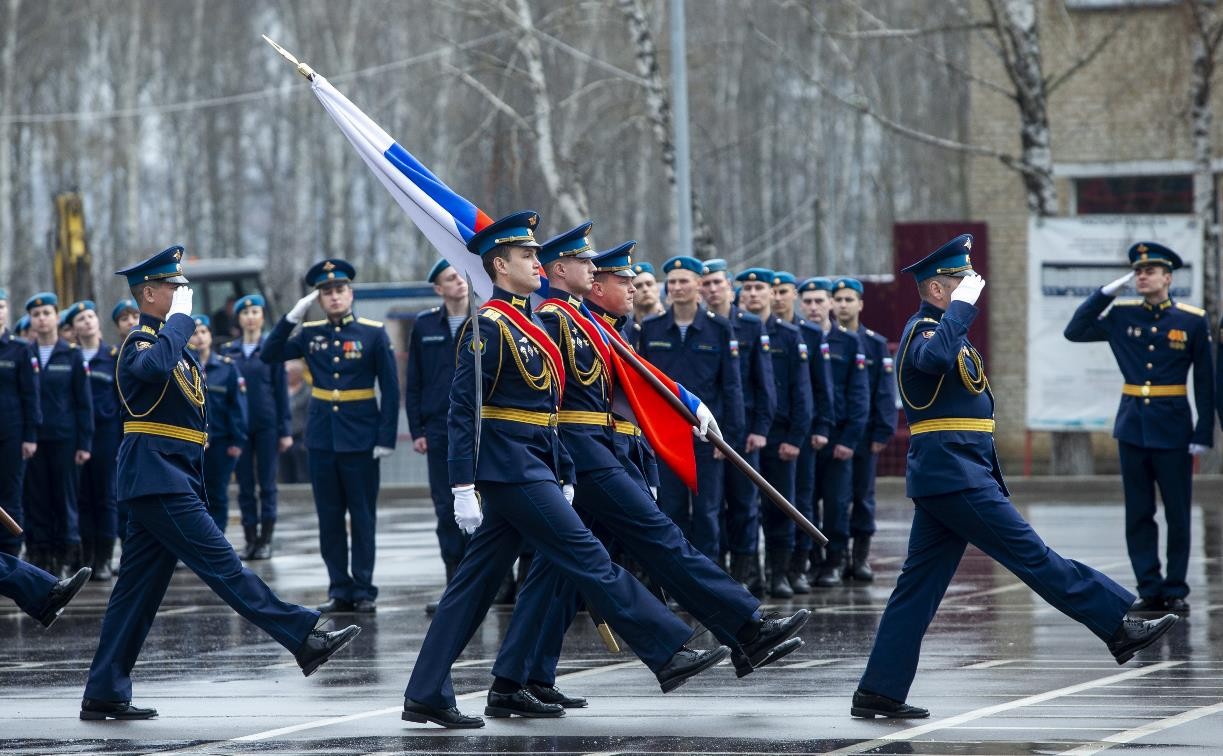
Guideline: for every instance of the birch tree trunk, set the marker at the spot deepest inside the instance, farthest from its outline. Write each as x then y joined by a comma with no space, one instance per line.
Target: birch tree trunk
7,62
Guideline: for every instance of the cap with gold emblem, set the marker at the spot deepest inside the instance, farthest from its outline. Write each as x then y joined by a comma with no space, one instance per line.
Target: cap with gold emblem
952,259
1150,253
249,300
166,266
330,271
40,299
517,229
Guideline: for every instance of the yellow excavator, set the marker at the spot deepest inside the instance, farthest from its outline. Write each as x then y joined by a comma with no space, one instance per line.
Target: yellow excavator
73,265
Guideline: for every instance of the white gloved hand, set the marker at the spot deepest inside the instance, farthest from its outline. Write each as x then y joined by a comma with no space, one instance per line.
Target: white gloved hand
707,423
299,310
654,492
180,303
1111,289
382,451
969,289
567,489
1196,449
467,514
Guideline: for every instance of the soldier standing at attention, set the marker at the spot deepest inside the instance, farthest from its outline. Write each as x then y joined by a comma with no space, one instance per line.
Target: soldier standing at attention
1155,341
646,303
226,419
349,430
22,414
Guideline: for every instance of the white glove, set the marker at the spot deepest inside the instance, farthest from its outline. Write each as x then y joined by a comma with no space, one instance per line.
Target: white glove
1111,289
567,489
467,514
180,303
382,451
299,310
707,423
654,492
969,289
1196,449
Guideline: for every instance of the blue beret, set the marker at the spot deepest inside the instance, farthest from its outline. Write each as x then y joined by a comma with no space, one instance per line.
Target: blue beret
618,260
40,299
77,308
122,306
330,271
716,265
249,300
1151,253
817,283
517,229
784,277
202,320
63,319
951,259
848,283
4,294
436,271
683,262
166,265
643,267
23,323
763,275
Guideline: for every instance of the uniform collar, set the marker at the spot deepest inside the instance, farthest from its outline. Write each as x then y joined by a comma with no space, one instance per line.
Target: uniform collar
559,293
522,304
344,320
606,317
930,311
1161,306
700,316
150,321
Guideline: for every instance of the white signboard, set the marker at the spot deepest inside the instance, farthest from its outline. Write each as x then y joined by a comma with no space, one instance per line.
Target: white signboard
1078,386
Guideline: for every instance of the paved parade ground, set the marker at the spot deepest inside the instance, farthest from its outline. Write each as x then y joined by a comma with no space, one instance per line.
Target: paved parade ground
1001,671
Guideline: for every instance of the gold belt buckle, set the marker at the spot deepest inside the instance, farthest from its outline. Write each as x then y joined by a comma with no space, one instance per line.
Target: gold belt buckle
1146,390
335,395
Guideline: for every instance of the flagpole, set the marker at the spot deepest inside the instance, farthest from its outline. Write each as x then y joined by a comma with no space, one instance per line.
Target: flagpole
302,68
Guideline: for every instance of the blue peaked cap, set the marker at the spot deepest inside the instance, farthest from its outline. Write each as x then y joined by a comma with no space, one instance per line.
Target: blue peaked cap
952,259
573,243
166,266
617,260
517,229
330,271
1152,253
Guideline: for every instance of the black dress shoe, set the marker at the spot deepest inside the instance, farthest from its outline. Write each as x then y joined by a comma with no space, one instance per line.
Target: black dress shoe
451,718
335,606
319,646
61,593
93,709
365,606
687,663
1148,605
1177,605
521,703
1136,634
766,648
550,694
871,705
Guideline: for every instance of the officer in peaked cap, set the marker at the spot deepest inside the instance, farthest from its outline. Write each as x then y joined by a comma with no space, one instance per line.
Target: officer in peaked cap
226,407
165,428
22,411
1156,340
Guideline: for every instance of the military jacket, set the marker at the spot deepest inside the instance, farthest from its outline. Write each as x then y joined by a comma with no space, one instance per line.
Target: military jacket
881,380
102,384
20,408
760,397
267,389
431,359
792,378
67,401
226,401
819,367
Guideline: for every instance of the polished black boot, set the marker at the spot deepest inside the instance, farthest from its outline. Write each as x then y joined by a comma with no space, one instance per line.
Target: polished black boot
798,574
1136,634
1148,606
830,571
550,694
774,639
263,546
521,703
871,705
859,570
320,646
251,533
61,593
776,564
688,663
103,555
93,710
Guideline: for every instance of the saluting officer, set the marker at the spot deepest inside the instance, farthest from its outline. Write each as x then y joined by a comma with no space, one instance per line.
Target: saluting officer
426,398
697,348
847,299
22,414
741,526
65,437
268,432
162,391
349,430
226,419
960,497
126,316
519,469
1155,341
99,515
37,592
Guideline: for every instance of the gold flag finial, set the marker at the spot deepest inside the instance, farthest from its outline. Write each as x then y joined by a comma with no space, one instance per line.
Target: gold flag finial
302,68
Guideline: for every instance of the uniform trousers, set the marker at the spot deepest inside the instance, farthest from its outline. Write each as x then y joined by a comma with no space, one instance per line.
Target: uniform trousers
12,474
696,514
98,511
24,583
862,513
346,483
1172,470
833,496
218,470
779,529
741,532
51,481
258,460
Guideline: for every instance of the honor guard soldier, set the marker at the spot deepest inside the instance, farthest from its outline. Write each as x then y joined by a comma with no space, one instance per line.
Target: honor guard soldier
1155,341
126,316
426,398
349,431
37,592
226,406
268,433
65,437
519,468
165,428
960,497
22,413
99,515
847,301
646,302
741,523
698,349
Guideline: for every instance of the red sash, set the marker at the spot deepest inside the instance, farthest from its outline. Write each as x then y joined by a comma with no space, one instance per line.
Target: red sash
601,347
538,337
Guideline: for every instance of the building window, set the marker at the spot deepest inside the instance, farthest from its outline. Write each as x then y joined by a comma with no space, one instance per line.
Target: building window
1134,194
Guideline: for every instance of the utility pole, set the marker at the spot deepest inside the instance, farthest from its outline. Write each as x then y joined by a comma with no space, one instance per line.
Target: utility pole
679,95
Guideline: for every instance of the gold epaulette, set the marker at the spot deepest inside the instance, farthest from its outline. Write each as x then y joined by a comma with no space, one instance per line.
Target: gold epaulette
368,322
311,323
548,308
147,329
1126,302
1190,308
491,314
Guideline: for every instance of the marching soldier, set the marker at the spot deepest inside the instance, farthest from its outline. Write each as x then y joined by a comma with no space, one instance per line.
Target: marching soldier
960,497
1156,341
847,301
226,407
524,477
162,392
125,315
38,593
741,529
349,430
698,349
268,431
22,413
65,437
99,516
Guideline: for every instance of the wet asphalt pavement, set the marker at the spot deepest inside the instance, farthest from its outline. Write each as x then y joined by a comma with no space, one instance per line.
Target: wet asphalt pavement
1001,671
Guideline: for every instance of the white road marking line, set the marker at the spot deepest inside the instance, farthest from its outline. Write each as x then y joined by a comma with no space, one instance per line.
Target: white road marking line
989,664
810,663
1150,728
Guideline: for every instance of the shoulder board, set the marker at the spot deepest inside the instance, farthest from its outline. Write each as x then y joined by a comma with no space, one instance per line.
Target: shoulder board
749,317
491,314
877,336
368,322
548,308
715,317
114,351
436,309
312,323
788,326
148,329
652,318
74,346
804,323
869,332
1126,302
1190,308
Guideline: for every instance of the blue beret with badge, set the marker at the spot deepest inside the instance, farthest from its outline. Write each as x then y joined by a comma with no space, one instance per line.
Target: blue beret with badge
436,271
573,243
333,270
952,259
848,283
763,275
202,320
643,267
40,299
617,260
781,277
816,283
166,266
716,265
249,300
1151,253
684,262
77,308
517,229
122,306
